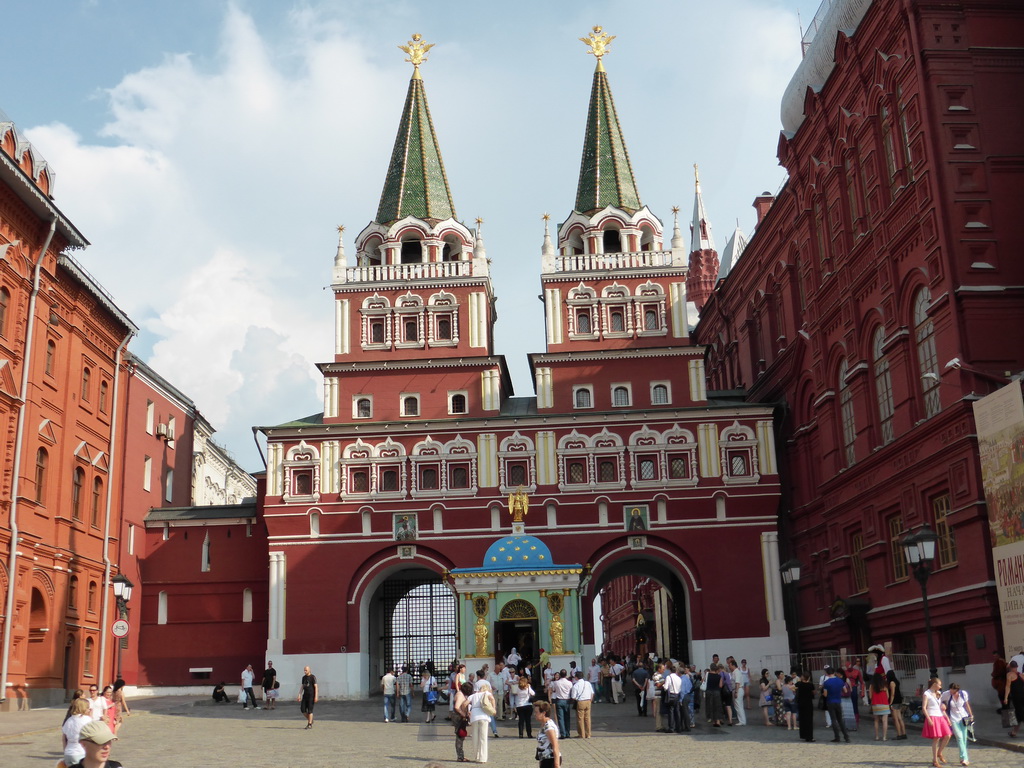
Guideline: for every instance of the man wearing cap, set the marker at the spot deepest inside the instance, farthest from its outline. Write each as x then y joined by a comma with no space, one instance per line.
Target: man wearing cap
96,739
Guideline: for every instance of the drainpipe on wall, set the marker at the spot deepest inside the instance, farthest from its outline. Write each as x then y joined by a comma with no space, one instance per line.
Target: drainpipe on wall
12,560
110,495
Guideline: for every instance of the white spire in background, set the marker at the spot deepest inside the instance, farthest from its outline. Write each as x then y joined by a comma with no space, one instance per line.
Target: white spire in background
700,229
733,251
548,248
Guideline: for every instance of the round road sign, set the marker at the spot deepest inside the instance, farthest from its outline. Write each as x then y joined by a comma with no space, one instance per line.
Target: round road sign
119,628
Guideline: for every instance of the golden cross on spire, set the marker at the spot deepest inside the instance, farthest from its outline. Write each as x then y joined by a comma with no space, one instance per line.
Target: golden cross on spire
417,51
597,44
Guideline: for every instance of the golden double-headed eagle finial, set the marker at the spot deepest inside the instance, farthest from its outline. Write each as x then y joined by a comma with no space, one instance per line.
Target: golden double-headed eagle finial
597,43
416,50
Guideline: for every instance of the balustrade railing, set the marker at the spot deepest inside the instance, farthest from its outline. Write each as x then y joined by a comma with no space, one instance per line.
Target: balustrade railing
599,262
378,273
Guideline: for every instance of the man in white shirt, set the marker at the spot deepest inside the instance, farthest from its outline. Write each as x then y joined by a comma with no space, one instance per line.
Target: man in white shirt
506,689
738,699
594,677
617,670
388,685
247,679
673,687
97,704
560,690
582,693
746,680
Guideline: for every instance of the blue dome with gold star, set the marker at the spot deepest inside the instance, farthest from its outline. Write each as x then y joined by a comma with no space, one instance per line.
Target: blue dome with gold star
521,553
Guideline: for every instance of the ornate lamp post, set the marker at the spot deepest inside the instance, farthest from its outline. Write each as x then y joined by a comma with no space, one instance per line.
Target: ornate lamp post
122,593
790,576
920,551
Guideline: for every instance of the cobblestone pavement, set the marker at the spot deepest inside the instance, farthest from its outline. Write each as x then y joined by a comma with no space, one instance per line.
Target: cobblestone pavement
355,734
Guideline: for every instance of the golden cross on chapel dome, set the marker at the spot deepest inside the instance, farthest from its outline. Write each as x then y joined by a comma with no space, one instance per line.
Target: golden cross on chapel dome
417,52
597,43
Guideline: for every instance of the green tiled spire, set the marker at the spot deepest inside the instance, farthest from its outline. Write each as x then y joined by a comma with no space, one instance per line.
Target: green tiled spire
416,184
606,177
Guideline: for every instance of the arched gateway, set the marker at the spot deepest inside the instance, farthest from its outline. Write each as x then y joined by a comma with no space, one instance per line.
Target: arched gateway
621,463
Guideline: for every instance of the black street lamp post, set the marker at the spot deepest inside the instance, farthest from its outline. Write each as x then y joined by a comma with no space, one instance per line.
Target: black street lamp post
920,550
122,593
790,576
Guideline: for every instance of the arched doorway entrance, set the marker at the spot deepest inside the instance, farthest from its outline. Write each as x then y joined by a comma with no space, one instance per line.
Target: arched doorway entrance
39,669
412,620
643,610
516,627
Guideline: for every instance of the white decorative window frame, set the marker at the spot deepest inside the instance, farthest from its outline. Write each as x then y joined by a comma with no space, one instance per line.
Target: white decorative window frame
300,458
451,394
401,405
441,305
355,406
668,391
517,447
409,306
616,297
582,298
375,308
576,446
742,440
651,296
389,455
675,441
589,388
628,386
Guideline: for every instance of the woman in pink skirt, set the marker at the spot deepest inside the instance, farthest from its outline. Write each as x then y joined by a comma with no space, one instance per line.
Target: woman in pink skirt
936,726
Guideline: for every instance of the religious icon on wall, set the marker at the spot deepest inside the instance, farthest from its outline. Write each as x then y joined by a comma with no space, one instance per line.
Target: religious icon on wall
637,517
405,527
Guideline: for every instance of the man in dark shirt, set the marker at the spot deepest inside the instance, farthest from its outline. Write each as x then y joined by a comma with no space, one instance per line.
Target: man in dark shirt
269,678
834,687
309,695
640,677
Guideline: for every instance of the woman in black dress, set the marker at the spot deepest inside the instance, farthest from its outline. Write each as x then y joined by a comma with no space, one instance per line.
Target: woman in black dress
1013,695
805,705
713,696
896,705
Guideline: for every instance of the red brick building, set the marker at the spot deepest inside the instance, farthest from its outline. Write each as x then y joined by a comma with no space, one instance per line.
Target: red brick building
61,395
880,295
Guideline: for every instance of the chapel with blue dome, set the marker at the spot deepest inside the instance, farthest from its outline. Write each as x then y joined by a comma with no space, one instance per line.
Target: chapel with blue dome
519,597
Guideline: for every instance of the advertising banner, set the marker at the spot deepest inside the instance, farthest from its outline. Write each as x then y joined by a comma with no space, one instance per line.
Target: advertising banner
1000,421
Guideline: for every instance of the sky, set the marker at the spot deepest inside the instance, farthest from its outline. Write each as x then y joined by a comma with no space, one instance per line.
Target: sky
208,150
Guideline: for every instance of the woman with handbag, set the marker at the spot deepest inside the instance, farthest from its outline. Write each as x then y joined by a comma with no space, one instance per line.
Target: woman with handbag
481,710
428,685
460,718
522,696
547,739
765,700
961,717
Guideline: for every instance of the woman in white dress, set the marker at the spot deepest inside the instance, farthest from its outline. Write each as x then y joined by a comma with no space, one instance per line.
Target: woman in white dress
74,752
480,720
513,658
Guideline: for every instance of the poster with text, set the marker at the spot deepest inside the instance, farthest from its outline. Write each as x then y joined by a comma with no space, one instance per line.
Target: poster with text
1000,421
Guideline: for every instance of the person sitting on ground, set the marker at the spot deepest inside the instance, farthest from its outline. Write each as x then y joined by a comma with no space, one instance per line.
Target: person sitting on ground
220,696
96,739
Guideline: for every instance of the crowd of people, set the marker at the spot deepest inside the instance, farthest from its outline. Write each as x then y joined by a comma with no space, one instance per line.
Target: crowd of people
91,724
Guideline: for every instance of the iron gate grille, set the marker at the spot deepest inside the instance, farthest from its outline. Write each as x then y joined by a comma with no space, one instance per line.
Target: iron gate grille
420,623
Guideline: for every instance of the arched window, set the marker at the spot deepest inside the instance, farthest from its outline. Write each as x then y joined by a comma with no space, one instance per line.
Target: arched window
246,605
583,322
205,563
411,330
883,386
617,321
583,398
377,332
928,362
444,329
42,462
620,396
458,403
104,388
659,395
364,408
516,475
389,480
412,252
161,608
612,241
846,415
97,502
169,486
90,602
77,481
87,656
5,302
360,481
86,375
428,478
410,406
459,478
51,355
73,593
651,320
